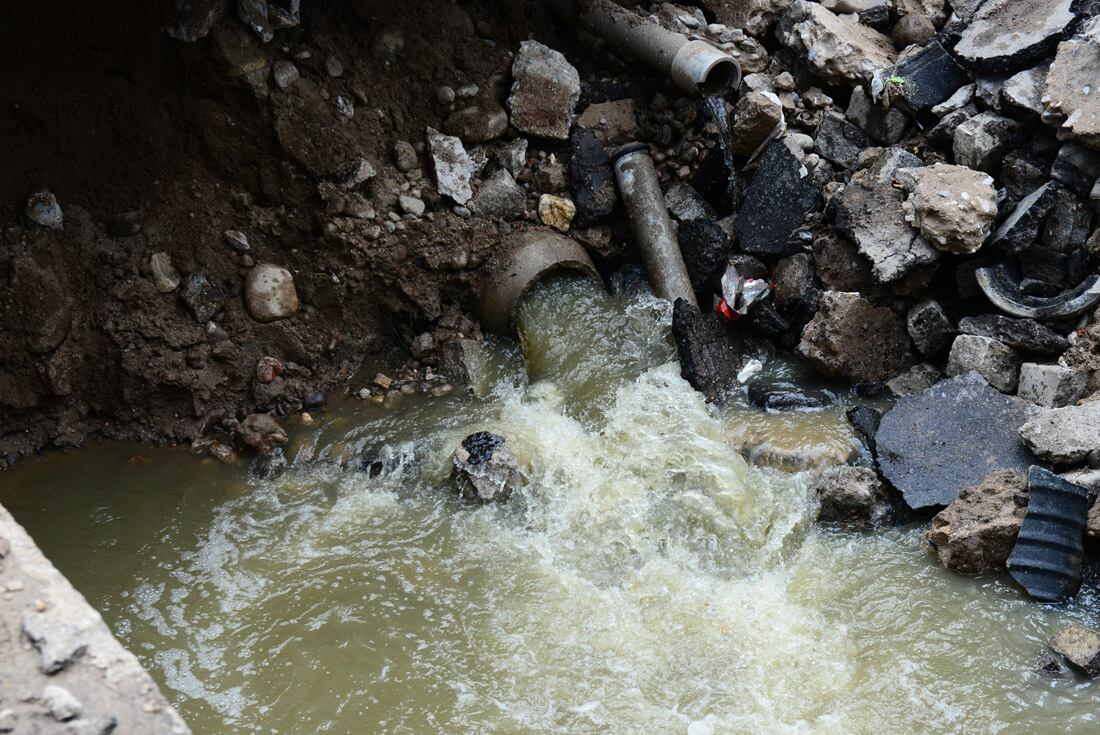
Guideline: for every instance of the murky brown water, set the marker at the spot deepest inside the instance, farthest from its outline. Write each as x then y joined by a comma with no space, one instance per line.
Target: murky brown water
648,580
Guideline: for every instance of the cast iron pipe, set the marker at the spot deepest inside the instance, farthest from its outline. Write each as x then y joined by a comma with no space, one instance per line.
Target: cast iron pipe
1003,291
695,66
648,213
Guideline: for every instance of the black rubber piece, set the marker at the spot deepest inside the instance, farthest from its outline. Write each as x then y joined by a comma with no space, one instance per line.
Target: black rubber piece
1004,292
1049,551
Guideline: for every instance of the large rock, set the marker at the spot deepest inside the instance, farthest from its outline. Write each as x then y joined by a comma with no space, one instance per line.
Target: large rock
1053,386
851,339
996,362
869,212
1026,335
1080,646
454,169
953,206
1070,100
710,351
777,199
833,47
949,437
545,91
755,117
270,294
1005,35
262,432
1064,435
484,469
982,141
854,498
976,532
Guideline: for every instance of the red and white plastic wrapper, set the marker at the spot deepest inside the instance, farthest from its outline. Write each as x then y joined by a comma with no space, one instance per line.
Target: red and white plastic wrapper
739,294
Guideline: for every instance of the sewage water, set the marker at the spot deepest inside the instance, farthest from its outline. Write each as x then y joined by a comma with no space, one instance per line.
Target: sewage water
716,105
646,580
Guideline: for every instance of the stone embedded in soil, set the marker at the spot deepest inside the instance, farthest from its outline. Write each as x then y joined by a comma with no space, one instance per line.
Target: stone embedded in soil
709,349
591,178
404,156
849,338
165,276
931,76
1080,646
996,362
484,469
1064,435
931,446
869,212
262,432
500,196
953,206
613,123
478,123
1026,335
1005,35
43,210
777,199
1053,386
545,91
454,169
1070,98
1020,229
976,532
982,141
839,140
270,293
833,47
285,74
755,117
61,703
203,296
854,498
411,205
929,327
557,212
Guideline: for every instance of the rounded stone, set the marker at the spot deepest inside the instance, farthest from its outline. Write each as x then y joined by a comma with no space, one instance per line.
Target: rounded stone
270,293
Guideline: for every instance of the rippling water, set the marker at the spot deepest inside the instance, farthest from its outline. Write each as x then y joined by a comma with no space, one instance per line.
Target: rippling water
647,579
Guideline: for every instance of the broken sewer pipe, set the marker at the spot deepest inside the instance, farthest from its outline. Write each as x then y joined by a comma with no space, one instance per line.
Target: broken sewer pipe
694,65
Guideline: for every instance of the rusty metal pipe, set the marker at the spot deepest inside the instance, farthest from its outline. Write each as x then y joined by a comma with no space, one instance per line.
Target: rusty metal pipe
694,65
645,206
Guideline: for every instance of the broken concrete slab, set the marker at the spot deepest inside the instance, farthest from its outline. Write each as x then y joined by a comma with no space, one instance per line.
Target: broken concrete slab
710,352
1069,101
1053,386
1076,167
834,47
839,140
931,76
954,206
1024,90
545,91
885,127
1080,646
982,141
869,212
777,199
591,178
950,437
916,379
1021,228
1026,335
996,362
929,327
1006,35
755,118
851,339
1064,435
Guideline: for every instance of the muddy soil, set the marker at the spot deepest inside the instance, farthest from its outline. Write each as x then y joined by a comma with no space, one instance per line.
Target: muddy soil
152,145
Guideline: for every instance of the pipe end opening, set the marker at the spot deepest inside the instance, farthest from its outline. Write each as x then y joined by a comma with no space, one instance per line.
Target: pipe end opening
724,74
